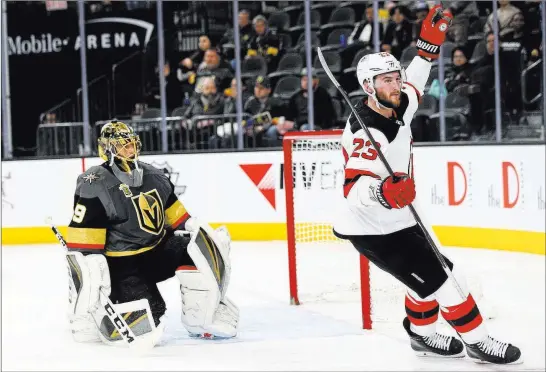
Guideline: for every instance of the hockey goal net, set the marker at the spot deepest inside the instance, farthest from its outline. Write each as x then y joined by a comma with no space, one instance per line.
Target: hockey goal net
323,268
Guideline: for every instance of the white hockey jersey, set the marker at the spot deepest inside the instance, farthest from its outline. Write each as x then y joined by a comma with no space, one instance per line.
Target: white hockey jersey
362,214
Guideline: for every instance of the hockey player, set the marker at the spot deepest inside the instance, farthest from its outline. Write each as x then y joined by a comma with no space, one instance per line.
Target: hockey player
379,224
128,232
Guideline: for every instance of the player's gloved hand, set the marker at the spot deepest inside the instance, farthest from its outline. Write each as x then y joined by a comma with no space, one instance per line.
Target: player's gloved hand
396,192
433,32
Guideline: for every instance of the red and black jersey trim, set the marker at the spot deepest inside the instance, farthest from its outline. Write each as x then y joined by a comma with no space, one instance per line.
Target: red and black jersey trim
352,176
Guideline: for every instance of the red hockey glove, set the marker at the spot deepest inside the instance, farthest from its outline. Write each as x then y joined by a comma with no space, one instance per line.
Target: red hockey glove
396,192
433,32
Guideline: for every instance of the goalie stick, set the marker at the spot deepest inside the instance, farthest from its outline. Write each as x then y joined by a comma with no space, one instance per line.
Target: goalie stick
391,173
117,320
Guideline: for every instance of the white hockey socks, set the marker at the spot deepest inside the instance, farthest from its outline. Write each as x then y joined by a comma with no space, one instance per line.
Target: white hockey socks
422,313
462,314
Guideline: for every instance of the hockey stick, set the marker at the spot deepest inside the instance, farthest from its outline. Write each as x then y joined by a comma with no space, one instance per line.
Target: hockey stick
117,320
391,173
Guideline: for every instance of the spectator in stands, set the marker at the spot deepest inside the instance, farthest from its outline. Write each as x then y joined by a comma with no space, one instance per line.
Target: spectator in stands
506,14
482,80
460,71
262,101
208,102
230,96
264,43
488,58
465,13
191,62
467,9
188,66
265,111
324,111
213,65
245,34
363,31
517,33
527,31
399,32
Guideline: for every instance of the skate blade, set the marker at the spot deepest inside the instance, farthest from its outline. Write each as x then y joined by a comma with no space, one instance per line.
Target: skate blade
207,336
428,354
480,361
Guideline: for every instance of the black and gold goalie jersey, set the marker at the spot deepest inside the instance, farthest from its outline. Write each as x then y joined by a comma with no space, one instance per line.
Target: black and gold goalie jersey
112,218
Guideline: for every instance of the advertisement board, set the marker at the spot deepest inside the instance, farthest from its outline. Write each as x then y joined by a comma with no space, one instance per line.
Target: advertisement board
480,196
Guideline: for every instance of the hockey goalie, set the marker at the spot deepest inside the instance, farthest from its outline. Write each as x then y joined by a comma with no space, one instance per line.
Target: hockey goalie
128,232
377,220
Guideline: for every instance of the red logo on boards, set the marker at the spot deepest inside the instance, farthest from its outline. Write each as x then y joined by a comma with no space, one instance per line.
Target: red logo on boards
455,170
506,166
263,177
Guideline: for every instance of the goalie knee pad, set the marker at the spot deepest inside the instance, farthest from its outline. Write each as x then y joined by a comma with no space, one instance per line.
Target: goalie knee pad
87,275
206,311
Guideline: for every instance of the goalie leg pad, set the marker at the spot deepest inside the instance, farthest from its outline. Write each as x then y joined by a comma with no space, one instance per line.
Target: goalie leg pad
86,276
214,246
205,308
204,314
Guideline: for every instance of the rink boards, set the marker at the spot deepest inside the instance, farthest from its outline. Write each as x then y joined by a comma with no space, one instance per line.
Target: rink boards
472,195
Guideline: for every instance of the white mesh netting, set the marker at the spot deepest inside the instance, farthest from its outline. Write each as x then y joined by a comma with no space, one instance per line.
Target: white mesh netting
328,268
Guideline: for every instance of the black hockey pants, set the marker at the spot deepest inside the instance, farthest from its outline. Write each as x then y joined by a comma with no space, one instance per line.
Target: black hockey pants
136,277
406,255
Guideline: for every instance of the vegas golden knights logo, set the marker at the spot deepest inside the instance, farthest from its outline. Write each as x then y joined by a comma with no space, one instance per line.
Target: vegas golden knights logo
149,208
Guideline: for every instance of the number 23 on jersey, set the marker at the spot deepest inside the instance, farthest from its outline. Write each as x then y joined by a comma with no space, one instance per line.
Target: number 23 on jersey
364,149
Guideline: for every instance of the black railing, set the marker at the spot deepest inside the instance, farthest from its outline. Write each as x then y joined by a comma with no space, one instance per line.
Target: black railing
128,84
99,94
62,112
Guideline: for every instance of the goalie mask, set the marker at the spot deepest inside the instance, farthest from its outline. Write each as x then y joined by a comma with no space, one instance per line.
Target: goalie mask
373,65
120,146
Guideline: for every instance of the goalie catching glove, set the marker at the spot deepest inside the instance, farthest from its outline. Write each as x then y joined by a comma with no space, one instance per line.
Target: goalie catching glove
433,32
206,311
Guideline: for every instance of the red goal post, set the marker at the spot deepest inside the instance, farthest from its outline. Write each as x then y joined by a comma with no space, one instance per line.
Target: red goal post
330,141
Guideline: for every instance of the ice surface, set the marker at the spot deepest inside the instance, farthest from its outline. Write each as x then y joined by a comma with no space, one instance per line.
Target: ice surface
273,335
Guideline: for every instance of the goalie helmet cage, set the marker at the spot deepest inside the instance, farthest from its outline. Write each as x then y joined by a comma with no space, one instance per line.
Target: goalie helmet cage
311,200
294,142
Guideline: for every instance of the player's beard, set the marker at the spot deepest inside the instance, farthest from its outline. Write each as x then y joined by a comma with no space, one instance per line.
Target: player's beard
391,101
